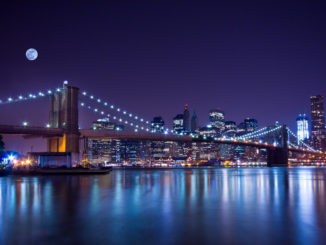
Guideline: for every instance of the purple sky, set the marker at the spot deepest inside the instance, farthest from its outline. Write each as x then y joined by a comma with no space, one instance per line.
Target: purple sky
260,60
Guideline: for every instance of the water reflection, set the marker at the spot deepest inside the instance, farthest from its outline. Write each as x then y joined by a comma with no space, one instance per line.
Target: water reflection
207,206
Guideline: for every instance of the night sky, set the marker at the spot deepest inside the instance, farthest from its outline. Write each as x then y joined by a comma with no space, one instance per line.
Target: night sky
251,59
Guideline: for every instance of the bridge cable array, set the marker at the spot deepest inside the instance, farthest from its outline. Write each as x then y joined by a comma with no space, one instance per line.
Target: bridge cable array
301,142
29,96
133,120
118,119
263,131
259,133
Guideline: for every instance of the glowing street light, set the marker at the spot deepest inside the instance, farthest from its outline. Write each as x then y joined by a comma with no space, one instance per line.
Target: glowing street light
11,158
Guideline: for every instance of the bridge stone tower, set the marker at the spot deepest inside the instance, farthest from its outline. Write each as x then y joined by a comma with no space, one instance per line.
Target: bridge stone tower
279,156
64,115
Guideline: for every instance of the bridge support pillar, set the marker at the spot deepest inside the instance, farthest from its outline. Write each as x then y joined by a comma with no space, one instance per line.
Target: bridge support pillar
64,114
66,143
279,156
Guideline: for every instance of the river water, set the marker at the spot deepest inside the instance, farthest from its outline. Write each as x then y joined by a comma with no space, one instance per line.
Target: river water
174,206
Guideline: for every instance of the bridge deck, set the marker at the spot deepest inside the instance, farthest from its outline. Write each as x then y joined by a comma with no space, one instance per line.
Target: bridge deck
30,131
110,134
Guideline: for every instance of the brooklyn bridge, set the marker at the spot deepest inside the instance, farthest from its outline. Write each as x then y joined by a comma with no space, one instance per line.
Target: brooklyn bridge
63,135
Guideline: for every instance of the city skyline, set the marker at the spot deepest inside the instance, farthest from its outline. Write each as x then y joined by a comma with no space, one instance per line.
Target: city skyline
239,127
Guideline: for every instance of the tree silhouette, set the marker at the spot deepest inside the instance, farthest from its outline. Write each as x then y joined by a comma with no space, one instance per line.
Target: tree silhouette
2,145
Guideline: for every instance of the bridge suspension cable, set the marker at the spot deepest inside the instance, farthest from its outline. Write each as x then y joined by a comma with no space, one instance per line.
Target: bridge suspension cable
134,125
30,96
137,127
300,141
133,120
292,145
114,108
243,137
258,133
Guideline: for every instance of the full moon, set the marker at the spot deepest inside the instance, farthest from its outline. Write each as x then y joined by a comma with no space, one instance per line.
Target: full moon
31,54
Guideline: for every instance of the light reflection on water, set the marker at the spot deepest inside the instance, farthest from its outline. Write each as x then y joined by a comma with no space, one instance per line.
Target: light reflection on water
206,206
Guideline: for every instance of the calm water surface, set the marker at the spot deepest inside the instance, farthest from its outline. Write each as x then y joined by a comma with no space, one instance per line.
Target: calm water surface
199,206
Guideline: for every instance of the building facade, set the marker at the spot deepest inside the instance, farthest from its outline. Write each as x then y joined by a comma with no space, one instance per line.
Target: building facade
157,125
230,129
318,121
251,124
194,122
302,128
178,124
186,119
103,123
216,119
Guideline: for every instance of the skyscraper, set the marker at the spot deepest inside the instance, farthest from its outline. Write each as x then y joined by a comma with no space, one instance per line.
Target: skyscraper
241,128
230,128
318,121
103,123
178,124
251,124
302,127
186,119
157,125
194,122
216,119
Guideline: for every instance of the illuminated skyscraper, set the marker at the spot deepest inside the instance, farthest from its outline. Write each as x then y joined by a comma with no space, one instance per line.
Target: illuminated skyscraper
157,125
178,124
103,124
230,128
241,128
209,131
302,127
186,119
216,119
251,124
318,121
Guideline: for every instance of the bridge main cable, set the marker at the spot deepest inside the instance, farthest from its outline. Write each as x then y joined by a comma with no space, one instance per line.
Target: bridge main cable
30,96
133,120
258,133
300,141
